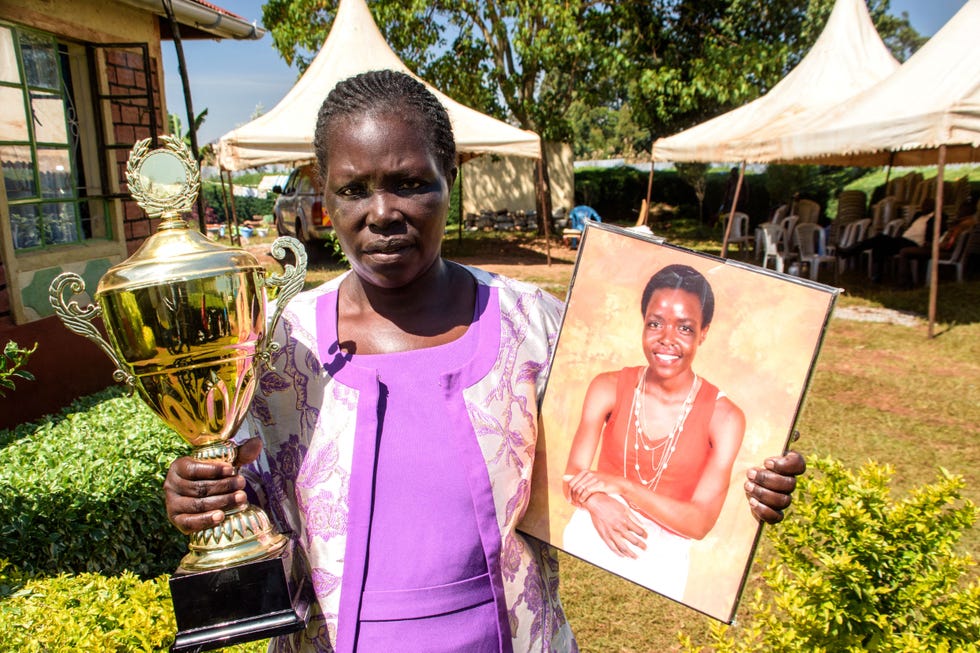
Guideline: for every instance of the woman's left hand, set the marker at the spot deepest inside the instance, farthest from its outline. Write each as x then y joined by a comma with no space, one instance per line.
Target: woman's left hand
770,489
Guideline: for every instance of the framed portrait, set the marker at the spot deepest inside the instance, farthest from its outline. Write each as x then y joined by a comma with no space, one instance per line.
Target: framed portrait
674,373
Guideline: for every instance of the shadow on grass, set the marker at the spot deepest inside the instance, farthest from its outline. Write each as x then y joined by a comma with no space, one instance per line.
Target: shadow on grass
956,303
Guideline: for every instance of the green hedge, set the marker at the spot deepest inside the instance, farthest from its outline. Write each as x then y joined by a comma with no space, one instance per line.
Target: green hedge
89,612
82,491
617,193
859,570
245,207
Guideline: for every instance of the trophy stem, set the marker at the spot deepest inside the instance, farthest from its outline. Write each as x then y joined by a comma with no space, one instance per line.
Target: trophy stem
244,535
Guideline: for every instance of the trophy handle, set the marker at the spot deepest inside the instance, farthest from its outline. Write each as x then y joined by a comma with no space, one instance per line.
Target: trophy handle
79,320
290,282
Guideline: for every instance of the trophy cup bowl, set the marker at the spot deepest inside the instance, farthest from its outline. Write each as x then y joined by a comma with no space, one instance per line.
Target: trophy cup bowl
187,328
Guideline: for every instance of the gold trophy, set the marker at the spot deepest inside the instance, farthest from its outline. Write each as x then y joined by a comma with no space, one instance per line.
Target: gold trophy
186,319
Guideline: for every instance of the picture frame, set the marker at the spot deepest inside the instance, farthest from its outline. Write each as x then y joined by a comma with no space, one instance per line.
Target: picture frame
616,369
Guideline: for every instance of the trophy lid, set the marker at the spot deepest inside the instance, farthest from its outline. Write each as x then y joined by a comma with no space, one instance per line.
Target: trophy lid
165,182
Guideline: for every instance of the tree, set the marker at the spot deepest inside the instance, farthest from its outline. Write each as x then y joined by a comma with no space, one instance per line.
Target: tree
520,60
706,57
551,67
696,176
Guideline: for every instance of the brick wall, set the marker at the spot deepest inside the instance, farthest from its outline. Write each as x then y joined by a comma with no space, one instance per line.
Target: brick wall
6,317
129,122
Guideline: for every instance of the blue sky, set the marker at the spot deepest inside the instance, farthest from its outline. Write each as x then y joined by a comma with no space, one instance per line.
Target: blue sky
231,78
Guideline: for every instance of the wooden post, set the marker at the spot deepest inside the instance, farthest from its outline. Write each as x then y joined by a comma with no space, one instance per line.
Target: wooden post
645,209
543,204
731,214
233,233
936,229
461,211
224,194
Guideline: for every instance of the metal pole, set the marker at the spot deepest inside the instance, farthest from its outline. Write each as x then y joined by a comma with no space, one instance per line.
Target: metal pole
186,84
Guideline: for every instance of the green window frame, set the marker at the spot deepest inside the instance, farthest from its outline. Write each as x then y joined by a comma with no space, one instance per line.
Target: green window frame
40,147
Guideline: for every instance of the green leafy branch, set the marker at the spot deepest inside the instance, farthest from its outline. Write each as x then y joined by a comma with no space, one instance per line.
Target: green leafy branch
12,360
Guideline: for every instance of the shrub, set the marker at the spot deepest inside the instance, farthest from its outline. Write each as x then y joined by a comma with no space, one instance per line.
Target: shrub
87,612
856,571
82,491
12,360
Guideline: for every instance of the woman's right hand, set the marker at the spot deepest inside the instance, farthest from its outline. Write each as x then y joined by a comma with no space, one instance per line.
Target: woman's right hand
615,525
197,493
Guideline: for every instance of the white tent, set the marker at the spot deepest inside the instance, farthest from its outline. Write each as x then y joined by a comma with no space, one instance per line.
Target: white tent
933,100
847,58
354,45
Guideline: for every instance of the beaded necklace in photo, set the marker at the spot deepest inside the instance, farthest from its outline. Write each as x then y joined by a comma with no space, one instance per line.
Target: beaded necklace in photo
664,447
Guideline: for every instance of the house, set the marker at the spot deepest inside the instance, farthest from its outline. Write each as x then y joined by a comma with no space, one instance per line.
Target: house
80,82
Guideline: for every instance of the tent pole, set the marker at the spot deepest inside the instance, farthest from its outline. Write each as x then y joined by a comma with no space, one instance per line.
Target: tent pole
731,214
888,173
546,218
461,212
233,233
645,209
224,193
936,228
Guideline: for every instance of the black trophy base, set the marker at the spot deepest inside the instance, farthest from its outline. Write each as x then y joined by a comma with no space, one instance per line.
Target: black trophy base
243,603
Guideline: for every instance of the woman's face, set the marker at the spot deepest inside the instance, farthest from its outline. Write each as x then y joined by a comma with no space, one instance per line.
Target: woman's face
387,197
672,332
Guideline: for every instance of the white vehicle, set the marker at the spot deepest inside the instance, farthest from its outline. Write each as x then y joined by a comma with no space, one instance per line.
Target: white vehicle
299,208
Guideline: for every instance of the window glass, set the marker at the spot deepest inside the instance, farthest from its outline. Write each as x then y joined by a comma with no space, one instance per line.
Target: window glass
18,171
54,171
60,223
40,60
305,184
13,117
48,111
8,57
24,227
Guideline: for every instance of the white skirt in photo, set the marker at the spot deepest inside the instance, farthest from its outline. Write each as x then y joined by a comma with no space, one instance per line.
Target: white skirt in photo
661,567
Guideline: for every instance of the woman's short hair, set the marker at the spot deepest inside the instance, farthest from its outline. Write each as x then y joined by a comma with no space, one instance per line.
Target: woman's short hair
682,277
386,91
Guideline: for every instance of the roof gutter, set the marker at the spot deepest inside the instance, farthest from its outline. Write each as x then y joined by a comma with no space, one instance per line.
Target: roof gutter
220,24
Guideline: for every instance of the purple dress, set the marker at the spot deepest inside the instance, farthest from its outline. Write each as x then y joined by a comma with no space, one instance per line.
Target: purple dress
432,538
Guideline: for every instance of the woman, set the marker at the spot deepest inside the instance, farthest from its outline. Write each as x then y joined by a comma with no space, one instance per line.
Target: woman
668,441
399,430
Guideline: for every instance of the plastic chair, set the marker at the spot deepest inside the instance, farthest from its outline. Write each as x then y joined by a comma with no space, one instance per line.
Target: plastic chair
788,225
772,250
740,231
780,213
967,244
811,243
576,224
884,212
808,210
853,232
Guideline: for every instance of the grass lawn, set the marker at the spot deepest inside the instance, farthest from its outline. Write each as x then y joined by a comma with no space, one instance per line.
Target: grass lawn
881,391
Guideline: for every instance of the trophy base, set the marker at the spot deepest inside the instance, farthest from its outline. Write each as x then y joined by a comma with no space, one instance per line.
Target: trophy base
243,603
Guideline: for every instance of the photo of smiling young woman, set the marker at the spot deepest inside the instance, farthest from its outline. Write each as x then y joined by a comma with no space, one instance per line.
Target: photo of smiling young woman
666,439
